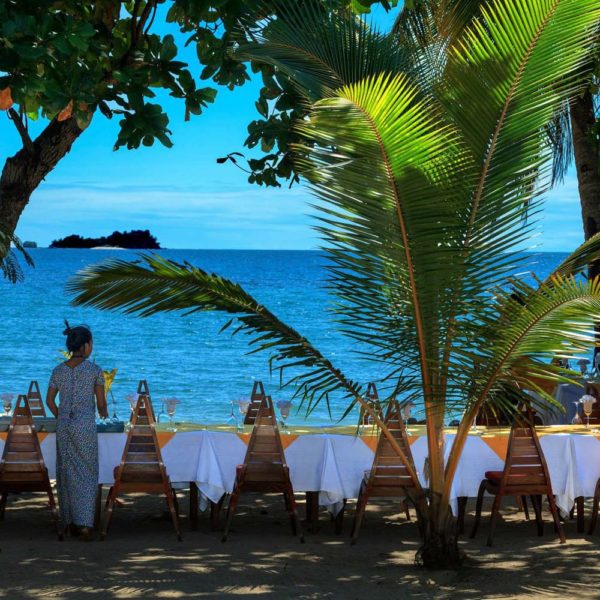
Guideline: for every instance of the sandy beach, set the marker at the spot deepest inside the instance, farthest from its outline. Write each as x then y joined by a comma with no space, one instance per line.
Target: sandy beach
141,558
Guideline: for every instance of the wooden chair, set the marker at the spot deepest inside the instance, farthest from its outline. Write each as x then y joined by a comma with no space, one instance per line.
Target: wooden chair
525,474
372,398
256,398
36,403
389,476
142,469
22,468
264,469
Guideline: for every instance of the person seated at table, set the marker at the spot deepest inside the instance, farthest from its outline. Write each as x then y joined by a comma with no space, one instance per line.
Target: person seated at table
78,382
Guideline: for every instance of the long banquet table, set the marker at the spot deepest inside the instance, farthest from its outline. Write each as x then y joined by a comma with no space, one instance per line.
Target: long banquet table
334,464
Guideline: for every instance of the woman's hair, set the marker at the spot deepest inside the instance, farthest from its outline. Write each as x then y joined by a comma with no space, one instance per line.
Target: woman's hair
77,337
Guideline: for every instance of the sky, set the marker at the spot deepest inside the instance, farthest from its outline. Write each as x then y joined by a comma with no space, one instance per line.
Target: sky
187,200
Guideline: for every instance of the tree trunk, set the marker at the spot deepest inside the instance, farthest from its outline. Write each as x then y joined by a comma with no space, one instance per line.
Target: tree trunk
23,172
585,149
440,537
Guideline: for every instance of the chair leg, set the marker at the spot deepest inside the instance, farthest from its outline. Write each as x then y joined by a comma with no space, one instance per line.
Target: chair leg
522,504
557,523
233,500
405,507
493,517
361,506
290,503
173,509
193,506
110,503
580,514
3,500
537,507
312,511
460,518
595,504
478,507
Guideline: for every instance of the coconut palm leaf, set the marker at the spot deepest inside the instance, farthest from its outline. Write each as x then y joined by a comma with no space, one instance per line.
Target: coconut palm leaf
321,51
154,284
9,264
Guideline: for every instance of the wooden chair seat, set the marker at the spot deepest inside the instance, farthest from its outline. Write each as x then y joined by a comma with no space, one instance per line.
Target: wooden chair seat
264,469
142,469
525,474
389,477
22,468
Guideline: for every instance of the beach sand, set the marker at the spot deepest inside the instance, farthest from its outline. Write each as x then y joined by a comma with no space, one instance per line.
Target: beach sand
141,557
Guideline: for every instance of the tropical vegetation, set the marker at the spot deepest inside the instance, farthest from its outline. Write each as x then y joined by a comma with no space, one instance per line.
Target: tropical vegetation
429,164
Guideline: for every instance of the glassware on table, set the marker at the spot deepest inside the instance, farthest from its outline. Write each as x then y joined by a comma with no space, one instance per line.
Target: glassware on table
406,410
243,405
284,407
170,406
233,415
132,399
576,420
588,402
7,399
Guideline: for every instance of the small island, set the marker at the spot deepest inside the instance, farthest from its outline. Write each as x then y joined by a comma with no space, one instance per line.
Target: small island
137,239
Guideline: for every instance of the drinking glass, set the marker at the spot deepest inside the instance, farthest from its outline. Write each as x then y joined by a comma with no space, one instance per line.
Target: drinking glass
284,407
233,415
7,403
243,405
170,406
406,410
588,404
132,399
576,420
583,366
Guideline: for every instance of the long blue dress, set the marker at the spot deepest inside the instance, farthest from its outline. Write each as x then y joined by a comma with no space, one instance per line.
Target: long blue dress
77,441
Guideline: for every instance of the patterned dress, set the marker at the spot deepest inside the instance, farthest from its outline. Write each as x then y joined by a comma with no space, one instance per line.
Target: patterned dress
77,441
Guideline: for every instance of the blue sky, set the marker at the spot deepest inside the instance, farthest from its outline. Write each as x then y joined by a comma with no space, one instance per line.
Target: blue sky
189,201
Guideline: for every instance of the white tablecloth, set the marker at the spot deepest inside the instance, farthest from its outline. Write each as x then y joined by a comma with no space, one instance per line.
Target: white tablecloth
335,464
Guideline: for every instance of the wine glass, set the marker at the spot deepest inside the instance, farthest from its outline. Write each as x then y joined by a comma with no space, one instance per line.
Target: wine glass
284,407
132,399
406,410
588,404
7,403
576,420
170,406
583,366
243,405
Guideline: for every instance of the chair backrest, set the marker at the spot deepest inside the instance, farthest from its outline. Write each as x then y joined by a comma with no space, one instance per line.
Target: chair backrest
142,460
265,459
143,388
22,460
389,470
256,398
372,398
525,463
487,417
36,403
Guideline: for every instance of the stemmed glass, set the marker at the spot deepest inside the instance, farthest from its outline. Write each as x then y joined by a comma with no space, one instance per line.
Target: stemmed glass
406,410
170,406
7,403
284,407
243,405
233,416
583,366
588,404
576,420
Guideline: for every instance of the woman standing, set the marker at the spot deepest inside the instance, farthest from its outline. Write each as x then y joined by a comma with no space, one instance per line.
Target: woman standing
79,382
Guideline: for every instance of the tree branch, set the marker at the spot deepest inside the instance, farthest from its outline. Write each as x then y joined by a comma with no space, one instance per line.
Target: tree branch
14,116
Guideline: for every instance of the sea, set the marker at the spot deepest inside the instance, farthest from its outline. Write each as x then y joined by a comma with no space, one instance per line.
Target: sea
183,357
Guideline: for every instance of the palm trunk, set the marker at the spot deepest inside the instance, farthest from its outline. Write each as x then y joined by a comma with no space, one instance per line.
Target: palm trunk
23,172
586,153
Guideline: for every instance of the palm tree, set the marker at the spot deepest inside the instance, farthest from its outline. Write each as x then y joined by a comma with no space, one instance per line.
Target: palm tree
428,190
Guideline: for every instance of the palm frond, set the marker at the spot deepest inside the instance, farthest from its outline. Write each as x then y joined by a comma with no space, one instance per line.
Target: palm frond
9,261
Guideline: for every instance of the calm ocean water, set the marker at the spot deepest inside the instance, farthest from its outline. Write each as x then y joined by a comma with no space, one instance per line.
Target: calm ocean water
185,357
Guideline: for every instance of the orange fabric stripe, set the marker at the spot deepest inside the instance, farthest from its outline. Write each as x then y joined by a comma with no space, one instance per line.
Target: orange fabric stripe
164,437
286,440
498,443
41,436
